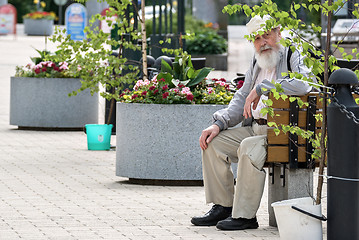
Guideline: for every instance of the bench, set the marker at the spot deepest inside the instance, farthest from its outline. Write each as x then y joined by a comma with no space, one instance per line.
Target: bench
289,160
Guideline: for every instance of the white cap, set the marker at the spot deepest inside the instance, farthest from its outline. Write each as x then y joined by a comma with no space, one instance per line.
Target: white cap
257,23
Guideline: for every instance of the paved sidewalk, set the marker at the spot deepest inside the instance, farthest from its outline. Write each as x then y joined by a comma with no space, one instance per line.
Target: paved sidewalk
52,187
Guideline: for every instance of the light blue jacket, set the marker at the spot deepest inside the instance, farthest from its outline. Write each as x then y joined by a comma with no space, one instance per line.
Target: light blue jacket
233,114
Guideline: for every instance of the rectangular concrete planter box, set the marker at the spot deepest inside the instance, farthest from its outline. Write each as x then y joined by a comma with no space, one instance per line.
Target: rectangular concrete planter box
217,61
160,141
39,27
44,103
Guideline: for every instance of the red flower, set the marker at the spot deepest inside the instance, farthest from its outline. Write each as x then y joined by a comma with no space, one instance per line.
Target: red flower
189,97
152,88
165,87
162,80
165,95
155,92
181,85
134,96
56,68
37,70
240,84
144,93
44,69
222,79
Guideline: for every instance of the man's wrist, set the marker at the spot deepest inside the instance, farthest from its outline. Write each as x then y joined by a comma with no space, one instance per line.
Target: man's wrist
219,124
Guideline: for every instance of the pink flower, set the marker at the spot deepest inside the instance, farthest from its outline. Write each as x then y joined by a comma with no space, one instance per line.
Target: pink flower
138,84
64,65
186,90
176,90
210,90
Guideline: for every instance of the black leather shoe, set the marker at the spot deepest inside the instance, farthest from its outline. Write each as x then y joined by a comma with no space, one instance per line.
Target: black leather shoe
217,213
237,224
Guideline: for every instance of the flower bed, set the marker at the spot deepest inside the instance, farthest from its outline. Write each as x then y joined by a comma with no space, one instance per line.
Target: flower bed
211,91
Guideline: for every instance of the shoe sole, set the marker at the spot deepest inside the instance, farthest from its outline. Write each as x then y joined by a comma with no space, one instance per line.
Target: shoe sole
204,224
233,228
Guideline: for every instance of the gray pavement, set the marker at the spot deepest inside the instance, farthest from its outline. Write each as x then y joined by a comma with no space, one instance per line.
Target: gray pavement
52,187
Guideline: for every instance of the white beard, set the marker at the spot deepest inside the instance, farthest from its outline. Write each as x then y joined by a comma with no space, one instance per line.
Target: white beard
269,60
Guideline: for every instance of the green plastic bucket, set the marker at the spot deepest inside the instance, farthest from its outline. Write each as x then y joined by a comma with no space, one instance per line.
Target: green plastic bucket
98,136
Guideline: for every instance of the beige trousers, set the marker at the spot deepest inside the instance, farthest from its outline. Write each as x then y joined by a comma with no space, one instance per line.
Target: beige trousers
247,146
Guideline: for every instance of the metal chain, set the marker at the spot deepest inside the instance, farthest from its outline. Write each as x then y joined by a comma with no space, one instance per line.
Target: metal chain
342,108
355,90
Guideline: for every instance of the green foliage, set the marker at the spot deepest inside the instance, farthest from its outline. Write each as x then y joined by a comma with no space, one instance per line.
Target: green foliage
206,42
93,60
192,25
182,72
158,90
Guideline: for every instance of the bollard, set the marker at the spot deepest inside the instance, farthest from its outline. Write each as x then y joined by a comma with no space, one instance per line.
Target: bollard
343,160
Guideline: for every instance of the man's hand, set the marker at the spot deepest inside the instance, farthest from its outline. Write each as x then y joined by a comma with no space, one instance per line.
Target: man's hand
252,98
207,135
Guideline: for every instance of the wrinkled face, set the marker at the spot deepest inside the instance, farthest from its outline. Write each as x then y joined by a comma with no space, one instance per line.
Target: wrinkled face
267,42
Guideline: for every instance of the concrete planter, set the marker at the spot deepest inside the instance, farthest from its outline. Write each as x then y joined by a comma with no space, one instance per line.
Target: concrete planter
160,141
39,27
216,61
44,103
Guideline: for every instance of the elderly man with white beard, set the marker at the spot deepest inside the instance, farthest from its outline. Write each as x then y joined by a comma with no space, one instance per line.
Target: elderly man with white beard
235,207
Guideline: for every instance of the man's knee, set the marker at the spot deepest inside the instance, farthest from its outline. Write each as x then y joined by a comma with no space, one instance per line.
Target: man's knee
253,148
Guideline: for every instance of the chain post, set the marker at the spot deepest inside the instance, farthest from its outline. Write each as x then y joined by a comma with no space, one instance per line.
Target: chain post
343,158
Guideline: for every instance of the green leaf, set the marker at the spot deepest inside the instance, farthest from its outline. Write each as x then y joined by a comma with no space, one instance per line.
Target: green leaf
292,99
165,67
276,131
200,76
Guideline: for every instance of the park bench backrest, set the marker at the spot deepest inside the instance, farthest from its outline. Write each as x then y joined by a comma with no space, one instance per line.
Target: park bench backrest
289,148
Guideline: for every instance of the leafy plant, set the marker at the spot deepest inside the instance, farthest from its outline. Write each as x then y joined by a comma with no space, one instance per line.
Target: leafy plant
40,15
99,66
41,68
206,42
182,72
209,91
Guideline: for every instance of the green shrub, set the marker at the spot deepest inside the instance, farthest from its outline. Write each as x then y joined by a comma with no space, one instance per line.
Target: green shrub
191,24
206,42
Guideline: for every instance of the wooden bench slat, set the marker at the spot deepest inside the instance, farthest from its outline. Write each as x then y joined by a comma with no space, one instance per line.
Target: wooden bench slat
280,154
280,103
282,117
282,138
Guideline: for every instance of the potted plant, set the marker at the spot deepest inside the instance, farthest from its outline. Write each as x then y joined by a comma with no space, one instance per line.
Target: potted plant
207,43
39,22
39,96
159,121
